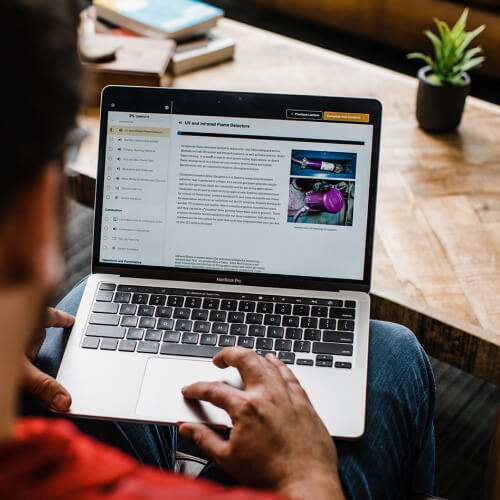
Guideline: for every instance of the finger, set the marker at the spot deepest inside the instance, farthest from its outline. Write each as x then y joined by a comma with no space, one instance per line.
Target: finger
246,361
45,387
206,439
218,393
58,318
288,376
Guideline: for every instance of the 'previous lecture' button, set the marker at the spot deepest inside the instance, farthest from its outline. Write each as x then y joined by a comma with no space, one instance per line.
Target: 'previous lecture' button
346,117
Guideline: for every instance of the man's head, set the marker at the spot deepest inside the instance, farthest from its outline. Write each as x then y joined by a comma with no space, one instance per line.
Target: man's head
41,83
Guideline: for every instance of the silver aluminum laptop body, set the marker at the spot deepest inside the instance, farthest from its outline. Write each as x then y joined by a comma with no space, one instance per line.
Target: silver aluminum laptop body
316,322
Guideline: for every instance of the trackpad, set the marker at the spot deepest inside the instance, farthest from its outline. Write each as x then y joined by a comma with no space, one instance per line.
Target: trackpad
161,400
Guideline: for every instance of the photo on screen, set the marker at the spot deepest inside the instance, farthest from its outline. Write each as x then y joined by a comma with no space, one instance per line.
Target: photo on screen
323,164
318,201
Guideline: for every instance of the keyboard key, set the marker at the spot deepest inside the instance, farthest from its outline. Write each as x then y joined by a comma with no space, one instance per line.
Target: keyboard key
182,313
291,320
208,339
254,318
319,311
324,361
238,329
328,324
226,341
104,296
164,312
331,348
350,304
105,307
201,314
211,303
335,303
109,344
345,325
342,364
228,305
107,286
135,333
308,322
311,334
147,322
257,331
175,301
122,297
283,345
236,317
218,316
301,310
104,319
305,362
184,325
90,343
247,342
283,309
294,333
190,338
262,353
201,326
145,310
287,357
201,351
155,335
149,347
157,300
140,298
165,324
193,302
272,319
128,309
265,307
171,337
246,306
302,346
265,344
127,345
342,313
275,332
342,337
129,321
221,328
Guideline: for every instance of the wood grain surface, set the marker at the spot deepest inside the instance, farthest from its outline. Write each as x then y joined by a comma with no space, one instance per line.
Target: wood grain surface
436,265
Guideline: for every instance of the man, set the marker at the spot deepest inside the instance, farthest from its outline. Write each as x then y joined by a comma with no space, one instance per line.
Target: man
278,444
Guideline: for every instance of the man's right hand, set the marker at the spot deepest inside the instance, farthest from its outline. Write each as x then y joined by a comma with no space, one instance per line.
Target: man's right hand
278,441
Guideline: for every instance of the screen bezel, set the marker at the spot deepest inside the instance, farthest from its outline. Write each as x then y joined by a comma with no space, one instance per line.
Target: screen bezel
233,104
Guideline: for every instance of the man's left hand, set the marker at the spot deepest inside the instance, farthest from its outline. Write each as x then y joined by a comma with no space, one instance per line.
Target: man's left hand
34,380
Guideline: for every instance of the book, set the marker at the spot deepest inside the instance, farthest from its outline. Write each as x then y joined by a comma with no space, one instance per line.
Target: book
177,19
200,52
138,61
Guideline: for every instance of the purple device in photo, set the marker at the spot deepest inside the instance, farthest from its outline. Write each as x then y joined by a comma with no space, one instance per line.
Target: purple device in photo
331,201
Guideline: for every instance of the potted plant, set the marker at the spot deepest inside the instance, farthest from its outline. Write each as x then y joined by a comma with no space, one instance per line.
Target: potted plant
443,84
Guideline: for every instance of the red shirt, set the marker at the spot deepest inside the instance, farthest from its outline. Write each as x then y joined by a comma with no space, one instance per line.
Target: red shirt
50,459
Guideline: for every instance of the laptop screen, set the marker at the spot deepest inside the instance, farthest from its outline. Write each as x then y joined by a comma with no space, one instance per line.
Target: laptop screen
287,195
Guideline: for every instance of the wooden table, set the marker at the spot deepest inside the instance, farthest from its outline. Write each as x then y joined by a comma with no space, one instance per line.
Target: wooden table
436,266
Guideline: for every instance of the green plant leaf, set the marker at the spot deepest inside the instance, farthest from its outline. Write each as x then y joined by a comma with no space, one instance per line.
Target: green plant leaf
460,24
437,44
468,39
434,78
476,61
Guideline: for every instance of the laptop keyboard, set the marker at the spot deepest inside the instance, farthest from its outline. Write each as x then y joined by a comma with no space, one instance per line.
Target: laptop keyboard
153,320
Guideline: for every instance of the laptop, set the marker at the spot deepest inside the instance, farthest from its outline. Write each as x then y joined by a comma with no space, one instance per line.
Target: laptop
223,219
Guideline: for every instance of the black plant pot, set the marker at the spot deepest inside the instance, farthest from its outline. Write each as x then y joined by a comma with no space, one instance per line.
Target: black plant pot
440,107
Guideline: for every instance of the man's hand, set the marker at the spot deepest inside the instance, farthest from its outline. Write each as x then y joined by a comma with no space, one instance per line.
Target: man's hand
278,441
35,381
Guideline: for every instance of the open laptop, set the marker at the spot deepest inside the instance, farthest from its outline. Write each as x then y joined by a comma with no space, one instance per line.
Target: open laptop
221,219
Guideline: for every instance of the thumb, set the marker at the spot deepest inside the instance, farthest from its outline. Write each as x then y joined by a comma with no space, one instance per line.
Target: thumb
45,387
206,439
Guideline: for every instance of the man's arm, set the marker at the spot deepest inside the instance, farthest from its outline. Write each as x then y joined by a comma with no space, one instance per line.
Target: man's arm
278,441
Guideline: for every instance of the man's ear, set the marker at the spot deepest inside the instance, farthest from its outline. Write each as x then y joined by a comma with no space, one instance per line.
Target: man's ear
34,230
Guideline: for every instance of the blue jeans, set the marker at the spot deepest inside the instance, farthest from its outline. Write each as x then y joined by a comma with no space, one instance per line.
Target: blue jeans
393,459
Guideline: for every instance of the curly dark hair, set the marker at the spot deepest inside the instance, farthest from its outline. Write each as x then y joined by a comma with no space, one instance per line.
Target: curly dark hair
41,87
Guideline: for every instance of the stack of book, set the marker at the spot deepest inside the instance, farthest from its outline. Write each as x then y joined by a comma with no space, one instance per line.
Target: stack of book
189,22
